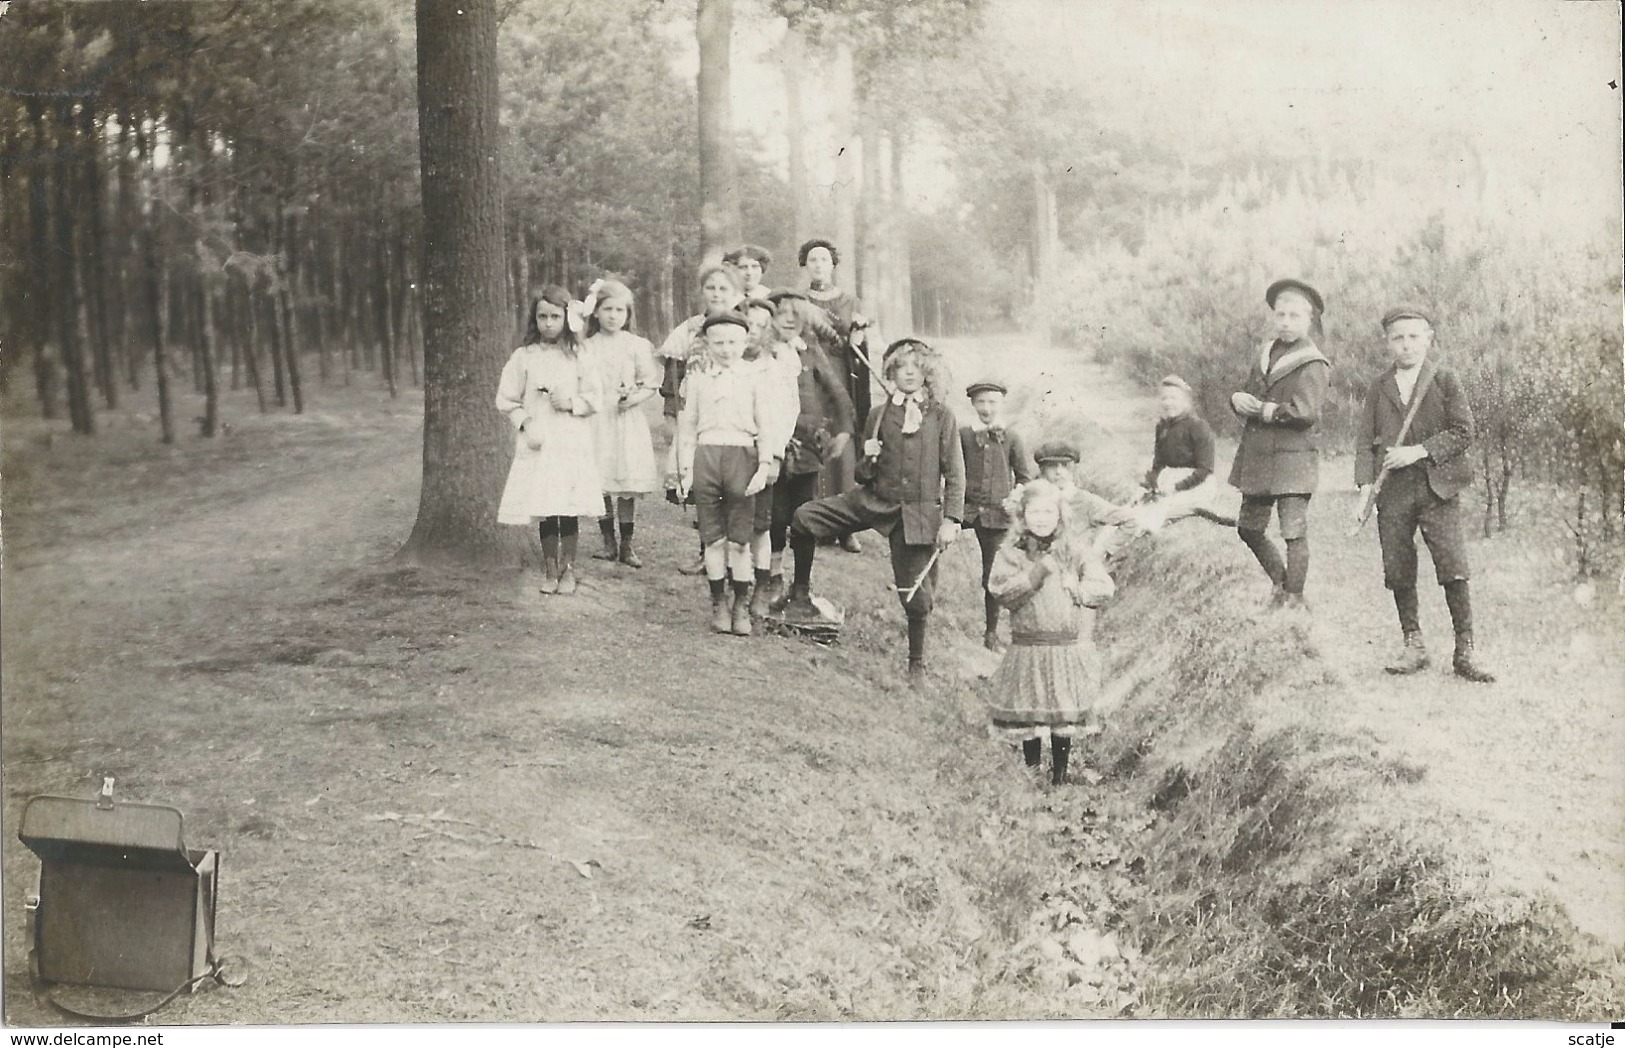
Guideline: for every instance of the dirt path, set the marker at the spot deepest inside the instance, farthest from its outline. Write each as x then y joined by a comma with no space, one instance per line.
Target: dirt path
447,798
450,798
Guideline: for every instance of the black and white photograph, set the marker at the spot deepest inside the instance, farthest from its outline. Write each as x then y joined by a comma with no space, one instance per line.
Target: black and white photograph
1072,514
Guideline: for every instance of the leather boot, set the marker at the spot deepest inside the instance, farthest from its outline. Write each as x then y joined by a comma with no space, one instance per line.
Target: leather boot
916,674
741,615
1060,747
1466,665
567,565
851,544
799,606
606,527
550,574
765,595
1412,658
1032,751
721,616
629,556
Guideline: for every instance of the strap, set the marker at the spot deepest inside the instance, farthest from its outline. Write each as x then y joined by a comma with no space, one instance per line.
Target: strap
1424,382
217,972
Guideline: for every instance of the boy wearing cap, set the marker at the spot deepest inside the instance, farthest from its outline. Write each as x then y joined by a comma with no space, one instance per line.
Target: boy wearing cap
1421,480
1277,463
725,456
995,462
1114,525
1180,479
913,492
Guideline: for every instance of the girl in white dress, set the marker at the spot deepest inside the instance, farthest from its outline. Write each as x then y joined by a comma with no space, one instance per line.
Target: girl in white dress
550,396
629,375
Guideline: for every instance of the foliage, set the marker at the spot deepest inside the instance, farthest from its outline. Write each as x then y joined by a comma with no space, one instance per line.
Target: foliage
1530,326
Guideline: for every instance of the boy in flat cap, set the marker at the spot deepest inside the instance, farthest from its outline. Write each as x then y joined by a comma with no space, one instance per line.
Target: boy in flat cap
728,447
1180,480
1418,483
995,462
1114,526
1277,463
912,491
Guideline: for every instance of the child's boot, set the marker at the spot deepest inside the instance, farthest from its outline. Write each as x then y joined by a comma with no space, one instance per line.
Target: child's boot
629,556
606,527
550,566
916,650
1466,665
721,615
567,565
1412,658
1060,747
1032,751
766,592
740,618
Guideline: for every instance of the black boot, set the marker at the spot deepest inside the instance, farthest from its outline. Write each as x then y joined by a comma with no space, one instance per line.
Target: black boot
629,556
1032,751
1466,665
1060,747
606,527
1412,658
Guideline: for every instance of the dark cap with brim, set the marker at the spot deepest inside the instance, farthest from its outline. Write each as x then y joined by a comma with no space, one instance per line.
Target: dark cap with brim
724,318
1056,451
986,385
784,293
1294,285
1398,313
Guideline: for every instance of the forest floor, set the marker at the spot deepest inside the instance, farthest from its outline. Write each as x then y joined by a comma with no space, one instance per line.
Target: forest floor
446,797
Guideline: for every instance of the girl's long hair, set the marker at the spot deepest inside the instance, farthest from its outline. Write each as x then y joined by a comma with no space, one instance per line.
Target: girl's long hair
568,340
613,291
1063,543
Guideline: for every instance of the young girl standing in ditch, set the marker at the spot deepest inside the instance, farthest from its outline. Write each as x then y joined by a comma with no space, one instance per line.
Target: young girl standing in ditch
1051,579
629,376
549,393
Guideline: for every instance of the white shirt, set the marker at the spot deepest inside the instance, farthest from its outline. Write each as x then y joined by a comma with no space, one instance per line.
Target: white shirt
1405,378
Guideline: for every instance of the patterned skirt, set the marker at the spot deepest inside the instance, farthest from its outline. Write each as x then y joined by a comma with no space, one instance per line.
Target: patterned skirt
1045,681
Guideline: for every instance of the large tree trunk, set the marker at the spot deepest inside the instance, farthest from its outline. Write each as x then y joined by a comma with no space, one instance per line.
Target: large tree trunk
68,300
901,323
1042,253
873,207
792,57
719,177
844,192
160,360
39,276
465,441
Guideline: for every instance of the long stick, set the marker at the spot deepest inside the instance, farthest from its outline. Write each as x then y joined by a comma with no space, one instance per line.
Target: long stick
1370,501
909,594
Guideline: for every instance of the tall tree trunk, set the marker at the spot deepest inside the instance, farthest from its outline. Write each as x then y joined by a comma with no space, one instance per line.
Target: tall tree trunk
251,344
844,192
207,350
901,324
465,442
41,298
1041,253
95,251
872,206
792,57
67,278
155,303
719,176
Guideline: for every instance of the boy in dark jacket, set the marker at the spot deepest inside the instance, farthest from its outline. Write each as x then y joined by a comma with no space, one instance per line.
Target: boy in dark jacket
1421,481
912,490
995,462
1277,464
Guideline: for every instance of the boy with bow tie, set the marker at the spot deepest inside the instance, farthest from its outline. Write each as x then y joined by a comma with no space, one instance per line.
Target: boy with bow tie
912,490
1420,480
995,462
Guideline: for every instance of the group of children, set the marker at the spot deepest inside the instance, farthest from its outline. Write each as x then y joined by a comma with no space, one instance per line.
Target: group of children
766,391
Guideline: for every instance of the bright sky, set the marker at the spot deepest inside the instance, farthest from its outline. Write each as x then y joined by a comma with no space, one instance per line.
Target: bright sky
1528,81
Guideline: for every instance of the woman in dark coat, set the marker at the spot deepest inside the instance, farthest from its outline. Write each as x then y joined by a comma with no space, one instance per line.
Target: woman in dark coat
842,327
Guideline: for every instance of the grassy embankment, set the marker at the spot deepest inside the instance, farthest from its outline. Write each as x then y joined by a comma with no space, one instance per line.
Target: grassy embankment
1291,868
